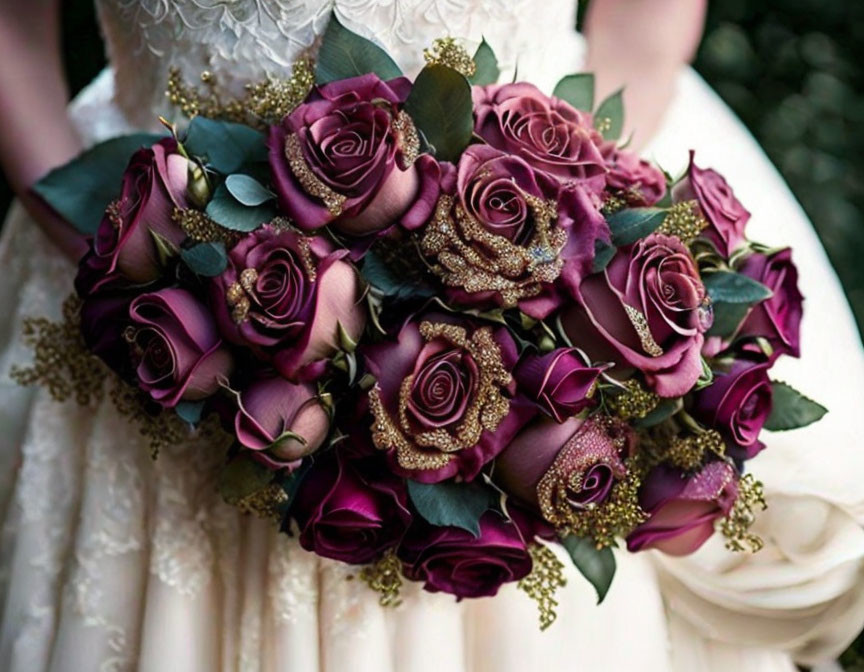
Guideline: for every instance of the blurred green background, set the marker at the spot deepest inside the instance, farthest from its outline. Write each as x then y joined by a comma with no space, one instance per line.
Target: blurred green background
791,69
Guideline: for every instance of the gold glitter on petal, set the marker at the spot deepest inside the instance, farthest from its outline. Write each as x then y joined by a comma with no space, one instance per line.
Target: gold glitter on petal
385,577
541,585
310,182
736,526
407,138
640,324
200,228
447,51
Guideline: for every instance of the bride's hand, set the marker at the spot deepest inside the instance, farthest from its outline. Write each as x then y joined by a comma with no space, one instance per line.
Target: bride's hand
35,134
642,46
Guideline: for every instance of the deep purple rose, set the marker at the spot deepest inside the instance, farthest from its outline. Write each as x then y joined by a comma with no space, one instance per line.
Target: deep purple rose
726,217
683,508
177,347
504,232
549,133
442,403
737,404
451,560
284,295
281,421
639,182
648,310
560,382
345,157
153,185
350,510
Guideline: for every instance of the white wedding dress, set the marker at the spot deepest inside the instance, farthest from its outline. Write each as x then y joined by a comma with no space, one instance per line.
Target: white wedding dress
110,561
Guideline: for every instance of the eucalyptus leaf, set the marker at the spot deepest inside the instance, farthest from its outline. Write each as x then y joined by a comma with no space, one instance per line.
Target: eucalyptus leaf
731,287
440,105
487,66
388,283
727,318
790,409
603,253
190,411
226,146
578,90
80,190
227,211
612,109
450,504
205,259
247,190
596,565
663,411
628,226
344,54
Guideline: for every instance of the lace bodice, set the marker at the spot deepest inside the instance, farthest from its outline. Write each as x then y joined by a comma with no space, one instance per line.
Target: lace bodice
242,41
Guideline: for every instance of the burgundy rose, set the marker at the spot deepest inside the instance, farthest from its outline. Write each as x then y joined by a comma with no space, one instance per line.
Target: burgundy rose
509,231
683,508
281,421
737,404
648,310
153,185
177,347
442,403
560,382
345,157
550,134
350,510
726,217
452,560
637,181
284,295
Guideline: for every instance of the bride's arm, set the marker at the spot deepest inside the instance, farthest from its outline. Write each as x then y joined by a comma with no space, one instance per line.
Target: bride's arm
642,45
35,132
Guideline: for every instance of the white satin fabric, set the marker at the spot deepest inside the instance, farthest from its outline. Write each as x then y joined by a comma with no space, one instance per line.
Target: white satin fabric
109,561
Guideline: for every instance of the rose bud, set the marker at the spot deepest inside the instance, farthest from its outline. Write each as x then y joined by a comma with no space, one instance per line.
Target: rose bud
737,404
153,185
683,508
777,319
648,310
177,347
282,418
350,510
560,382
285,295
632,178
724,213
549,133
346,157
503,233
442,402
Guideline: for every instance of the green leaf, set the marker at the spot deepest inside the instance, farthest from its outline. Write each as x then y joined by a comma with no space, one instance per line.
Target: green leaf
487,66
731,287
241,477
612,109
727,318
598,566
452,504
206,259
663,411
578,90
628,226
80,190
190,411
385,280
226,146
603,253
227,211
248,190
345,54
440,105
790,409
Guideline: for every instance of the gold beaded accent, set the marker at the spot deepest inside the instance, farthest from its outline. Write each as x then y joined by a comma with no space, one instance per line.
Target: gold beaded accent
114,213
265,503
640,324
736,526
434,449
477,260
238,302
310,182
688,452
199,227
541,585
635,401
684,221
602,124
616,517
248,278
613,204
447,51
407,138
384,576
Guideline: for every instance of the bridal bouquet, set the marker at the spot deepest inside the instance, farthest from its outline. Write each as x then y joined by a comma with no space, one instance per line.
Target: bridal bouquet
446,324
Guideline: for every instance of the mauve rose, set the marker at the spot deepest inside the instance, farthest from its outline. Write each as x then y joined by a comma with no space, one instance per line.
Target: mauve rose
632,178
548,133
281,421
559,381
451,402
452,560
350,145
284,295
737,404
777,319
726,217
350,510
153,185
532,233
177,347
683,508
648,310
